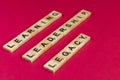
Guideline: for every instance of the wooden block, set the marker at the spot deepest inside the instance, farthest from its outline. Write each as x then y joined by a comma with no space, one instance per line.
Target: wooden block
55,63
83,15
65,54
55,14
52,16
11,46
36,51
32,54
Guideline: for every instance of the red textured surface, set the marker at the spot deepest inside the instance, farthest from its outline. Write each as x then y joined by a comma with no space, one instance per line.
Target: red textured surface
98,60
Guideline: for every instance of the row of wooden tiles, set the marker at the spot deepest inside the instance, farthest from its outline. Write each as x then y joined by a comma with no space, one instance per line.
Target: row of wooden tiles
66,53
29,33
55,36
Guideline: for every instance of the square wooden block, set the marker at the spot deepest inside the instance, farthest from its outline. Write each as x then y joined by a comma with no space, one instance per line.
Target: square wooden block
55,63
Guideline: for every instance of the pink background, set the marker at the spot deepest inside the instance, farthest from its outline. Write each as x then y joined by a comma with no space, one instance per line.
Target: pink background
98,60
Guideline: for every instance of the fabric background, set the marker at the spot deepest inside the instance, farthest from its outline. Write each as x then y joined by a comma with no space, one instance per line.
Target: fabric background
98,60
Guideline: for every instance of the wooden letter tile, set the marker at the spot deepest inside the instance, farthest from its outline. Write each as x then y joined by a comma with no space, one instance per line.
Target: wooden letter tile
53,16
55,63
